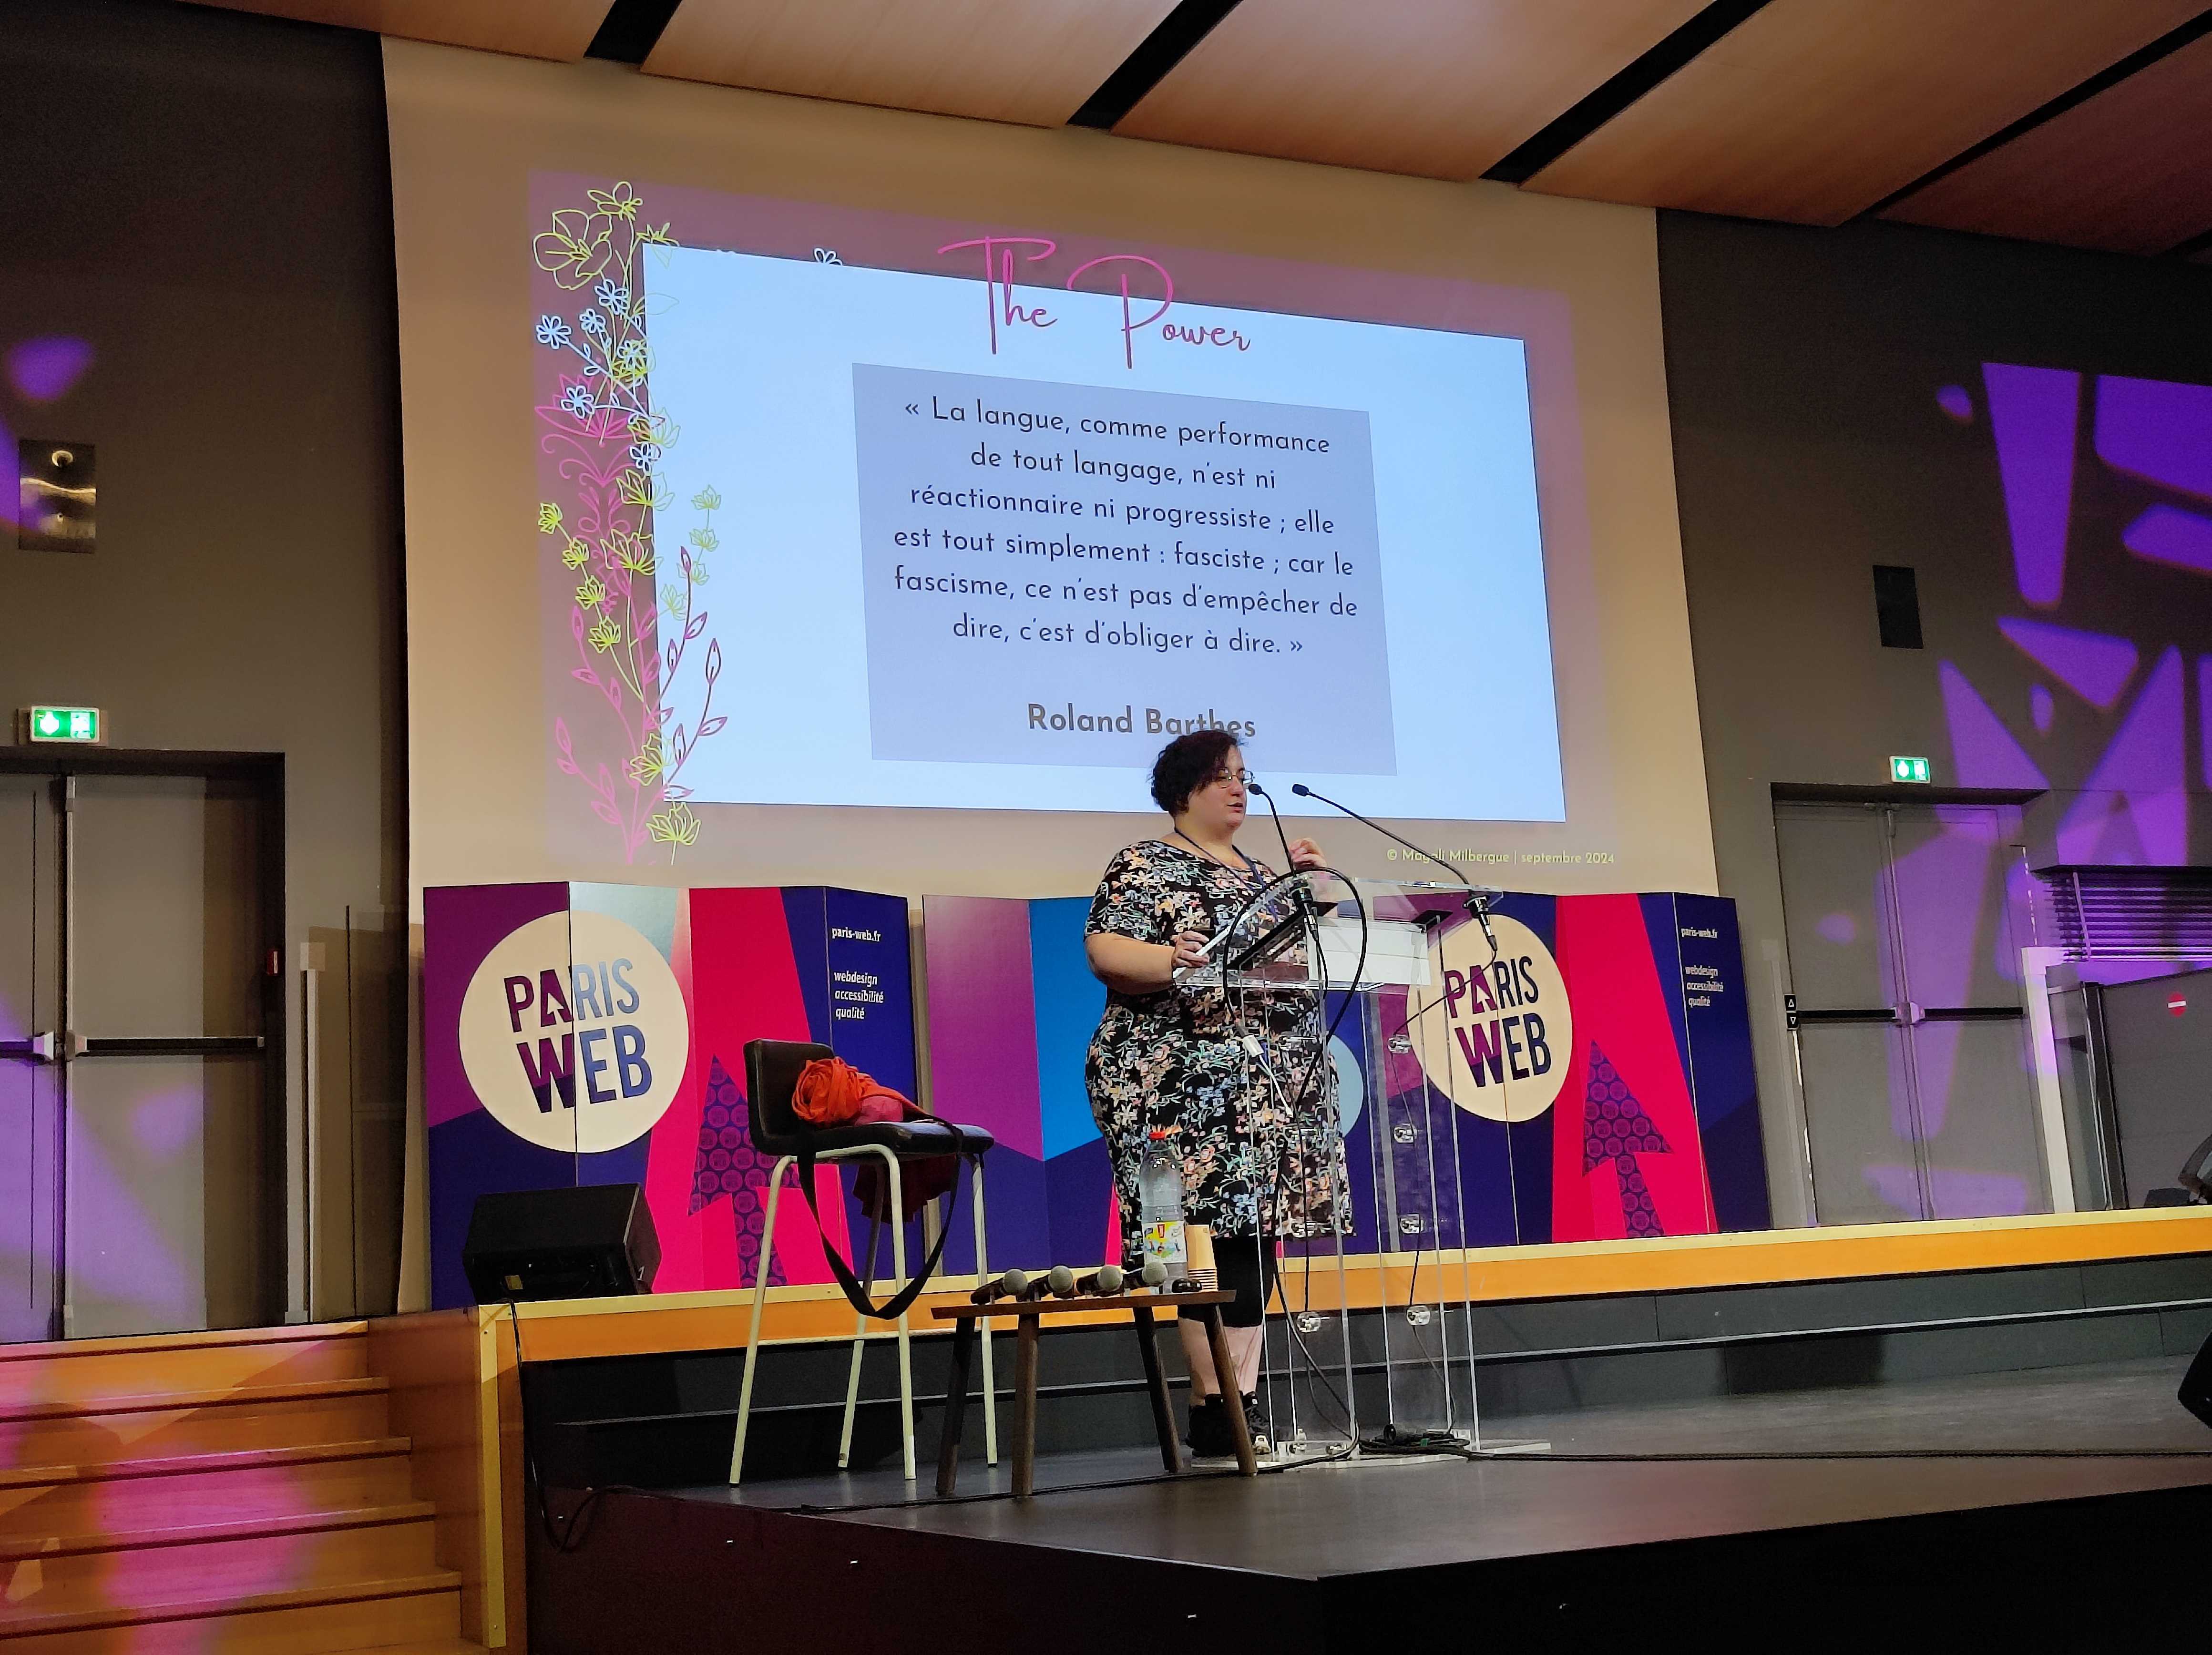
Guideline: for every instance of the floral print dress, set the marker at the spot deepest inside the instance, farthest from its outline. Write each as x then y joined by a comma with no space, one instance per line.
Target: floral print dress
1255,1160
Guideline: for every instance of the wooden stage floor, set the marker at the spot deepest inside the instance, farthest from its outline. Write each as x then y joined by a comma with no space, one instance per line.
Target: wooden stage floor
1926,1519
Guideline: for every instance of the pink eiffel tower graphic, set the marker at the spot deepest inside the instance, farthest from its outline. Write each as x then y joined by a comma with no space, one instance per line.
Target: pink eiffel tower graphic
1616,1129
727,1164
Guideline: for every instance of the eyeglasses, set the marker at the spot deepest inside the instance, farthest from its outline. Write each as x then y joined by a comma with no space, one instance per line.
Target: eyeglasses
1242,778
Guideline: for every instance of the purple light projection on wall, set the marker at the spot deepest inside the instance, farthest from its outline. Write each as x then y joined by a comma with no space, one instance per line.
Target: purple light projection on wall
2204,700
39,370
2093,666
2034,411
2166,534
1954,400
1983,751
43,370
2134,806
2156,429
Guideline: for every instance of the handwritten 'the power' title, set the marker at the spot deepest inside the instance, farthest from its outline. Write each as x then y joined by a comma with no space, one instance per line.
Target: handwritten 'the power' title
1132,275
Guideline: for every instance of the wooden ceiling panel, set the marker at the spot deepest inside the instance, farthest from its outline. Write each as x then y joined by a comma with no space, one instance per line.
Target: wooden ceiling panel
1030,61
1811,111
2128,171
559,29
1441,88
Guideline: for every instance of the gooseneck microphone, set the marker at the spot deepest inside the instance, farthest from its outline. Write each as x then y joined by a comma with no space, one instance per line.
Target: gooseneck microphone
1315,906
1478,897
1281,837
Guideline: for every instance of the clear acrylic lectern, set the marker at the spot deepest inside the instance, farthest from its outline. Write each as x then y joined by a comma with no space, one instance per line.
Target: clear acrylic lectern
1367,964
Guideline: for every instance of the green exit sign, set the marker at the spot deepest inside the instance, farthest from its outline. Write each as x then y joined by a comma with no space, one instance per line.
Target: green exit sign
1902,768
63,723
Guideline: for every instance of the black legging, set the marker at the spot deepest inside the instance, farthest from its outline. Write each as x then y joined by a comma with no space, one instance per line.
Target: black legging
1246,1267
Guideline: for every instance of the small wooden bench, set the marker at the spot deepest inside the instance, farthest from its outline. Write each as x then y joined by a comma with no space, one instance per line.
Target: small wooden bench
1029,1313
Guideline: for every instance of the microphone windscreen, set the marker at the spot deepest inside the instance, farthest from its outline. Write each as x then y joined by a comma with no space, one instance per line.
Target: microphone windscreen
1009,1285
1061,1280
1301,790
1153,1273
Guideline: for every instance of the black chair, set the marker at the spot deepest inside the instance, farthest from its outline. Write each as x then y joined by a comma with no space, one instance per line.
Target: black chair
772,1069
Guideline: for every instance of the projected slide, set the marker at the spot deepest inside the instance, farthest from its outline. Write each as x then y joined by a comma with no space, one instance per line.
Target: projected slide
986,545
1114,634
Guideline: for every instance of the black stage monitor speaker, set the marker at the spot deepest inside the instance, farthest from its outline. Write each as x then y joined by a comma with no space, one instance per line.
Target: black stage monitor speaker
592,1242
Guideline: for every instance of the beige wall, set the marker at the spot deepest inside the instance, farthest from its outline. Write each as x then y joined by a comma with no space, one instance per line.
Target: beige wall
468,129
200,198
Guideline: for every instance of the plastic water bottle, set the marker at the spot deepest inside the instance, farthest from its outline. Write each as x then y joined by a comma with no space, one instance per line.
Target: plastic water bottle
1159,1201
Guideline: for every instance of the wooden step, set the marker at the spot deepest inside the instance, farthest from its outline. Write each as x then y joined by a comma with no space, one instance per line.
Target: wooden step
71,1374
77,1437
308,1621
151,1402
37,1502
78,1573
235,1491
123,1539
206,1339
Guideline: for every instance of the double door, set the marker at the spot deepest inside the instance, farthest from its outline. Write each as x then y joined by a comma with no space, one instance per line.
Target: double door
1912,1035
142,1184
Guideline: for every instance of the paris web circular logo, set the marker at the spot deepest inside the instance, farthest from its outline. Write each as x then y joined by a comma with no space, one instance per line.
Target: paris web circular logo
573,1033
1496,1035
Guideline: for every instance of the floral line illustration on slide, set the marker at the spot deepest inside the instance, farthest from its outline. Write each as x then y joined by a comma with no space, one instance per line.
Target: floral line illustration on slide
634,620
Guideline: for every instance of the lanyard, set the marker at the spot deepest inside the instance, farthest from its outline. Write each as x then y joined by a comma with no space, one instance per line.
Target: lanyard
1248,875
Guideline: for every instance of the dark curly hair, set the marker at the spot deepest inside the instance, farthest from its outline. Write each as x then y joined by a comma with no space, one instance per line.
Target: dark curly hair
1187,764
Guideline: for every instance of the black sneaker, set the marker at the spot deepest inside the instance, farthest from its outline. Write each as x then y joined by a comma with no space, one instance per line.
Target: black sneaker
1208,1436
1255,1422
